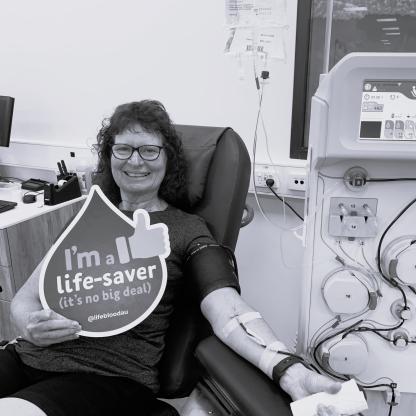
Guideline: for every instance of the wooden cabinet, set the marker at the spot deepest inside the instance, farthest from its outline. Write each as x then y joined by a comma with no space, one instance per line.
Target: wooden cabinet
22,247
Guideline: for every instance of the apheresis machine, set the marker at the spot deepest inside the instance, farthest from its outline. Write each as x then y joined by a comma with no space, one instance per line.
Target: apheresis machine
358,313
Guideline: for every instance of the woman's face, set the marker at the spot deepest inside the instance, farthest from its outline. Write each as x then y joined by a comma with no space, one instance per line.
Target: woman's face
136,177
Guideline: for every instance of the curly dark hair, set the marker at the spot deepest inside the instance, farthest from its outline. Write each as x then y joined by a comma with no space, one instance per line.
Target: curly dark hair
153,118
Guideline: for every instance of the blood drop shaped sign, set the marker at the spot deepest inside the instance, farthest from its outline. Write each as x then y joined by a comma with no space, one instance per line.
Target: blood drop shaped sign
106,271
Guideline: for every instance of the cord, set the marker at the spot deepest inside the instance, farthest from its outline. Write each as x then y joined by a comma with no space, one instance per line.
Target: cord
392,386
389,179
261,91
33,192
270,183
315,350
390,281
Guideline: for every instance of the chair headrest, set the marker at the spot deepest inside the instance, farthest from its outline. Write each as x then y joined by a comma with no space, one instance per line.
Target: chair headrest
199,144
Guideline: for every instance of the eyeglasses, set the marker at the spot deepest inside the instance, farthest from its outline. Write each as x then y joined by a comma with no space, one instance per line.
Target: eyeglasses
146,152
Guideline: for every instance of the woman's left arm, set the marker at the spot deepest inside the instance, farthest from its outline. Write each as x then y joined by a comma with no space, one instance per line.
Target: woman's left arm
249,336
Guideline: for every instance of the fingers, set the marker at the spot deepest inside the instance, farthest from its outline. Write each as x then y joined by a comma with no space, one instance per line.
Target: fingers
327,410
48,327
315,383
44,315
59,335
55,315
55,324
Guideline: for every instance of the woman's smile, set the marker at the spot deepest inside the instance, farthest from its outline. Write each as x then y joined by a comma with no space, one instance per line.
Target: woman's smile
136,174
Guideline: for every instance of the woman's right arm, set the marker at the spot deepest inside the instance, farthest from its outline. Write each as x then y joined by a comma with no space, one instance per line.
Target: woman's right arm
37,325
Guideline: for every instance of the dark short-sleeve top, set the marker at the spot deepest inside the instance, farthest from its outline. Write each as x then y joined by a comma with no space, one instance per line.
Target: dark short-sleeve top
135,354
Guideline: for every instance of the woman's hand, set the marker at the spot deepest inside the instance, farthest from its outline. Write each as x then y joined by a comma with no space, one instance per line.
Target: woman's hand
300,382
47,327
327,411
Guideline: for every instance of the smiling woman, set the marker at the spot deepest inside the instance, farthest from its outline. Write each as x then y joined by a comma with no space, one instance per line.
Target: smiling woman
126,171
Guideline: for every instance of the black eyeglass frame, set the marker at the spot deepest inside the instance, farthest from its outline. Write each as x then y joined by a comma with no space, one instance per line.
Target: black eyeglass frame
136,149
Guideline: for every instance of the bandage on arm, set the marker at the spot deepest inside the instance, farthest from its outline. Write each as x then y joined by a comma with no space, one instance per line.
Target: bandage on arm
242,329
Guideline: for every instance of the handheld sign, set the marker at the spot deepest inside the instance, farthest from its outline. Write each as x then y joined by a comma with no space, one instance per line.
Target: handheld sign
106,271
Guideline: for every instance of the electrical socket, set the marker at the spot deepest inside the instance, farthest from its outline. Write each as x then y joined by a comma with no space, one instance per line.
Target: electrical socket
264,172
296,181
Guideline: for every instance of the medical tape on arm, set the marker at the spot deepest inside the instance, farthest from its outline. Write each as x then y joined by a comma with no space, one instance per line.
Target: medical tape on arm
269,354
241,321
270,351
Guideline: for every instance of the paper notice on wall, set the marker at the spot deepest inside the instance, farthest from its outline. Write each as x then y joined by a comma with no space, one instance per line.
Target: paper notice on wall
271,12
255,12
270,43
240,41
264,42
239,12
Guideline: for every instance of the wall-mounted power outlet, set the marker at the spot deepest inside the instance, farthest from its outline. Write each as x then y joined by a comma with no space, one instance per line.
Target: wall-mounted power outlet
289,181
264,172
296,181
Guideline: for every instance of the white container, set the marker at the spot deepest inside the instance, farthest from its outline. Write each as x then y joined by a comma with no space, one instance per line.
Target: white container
83,170
10,191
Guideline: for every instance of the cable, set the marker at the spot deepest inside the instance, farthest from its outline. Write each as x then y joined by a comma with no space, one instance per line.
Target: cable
371,268
374,330
304,361
348,256
392,282
411,288
270,183
368,269
392,386
33,192
261,91
389,179
254,156
266,75
338,321
315,350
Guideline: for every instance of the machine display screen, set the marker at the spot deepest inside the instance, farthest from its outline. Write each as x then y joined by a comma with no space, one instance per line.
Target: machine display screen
388,110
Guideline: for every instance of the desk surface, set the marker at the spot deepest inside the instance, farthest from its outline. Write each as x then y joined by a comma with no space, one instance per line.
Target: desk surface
23,212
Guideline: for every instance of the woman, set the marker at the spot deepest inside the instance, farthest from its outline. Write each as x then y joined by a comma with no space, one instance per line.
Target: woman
52,371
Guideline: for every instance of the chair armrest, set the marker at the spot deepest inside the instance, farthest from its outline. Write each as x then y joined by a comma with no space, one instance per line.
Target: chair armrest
239,385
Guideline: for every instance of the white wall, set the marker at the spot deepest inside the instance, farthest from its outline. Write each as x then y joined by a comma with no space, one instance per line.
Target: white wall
68,64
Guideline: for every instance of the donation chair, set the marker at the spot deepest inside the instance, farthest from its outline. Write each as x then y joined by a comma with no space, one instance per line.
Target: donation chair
219,173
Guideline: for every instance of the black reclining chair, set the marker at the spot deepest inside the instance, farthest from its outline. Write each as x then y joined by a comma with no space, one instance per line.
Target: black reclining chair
219,170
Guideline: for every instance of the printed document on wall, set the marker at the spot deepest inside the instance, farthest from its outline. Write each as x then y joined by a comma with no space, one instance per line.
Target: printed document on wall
267,42
240,41
271,12
255,12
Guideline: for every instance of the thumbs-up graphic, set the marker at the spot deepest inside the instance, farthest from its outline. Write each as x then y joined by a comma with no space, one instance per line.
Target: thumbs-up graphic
147,240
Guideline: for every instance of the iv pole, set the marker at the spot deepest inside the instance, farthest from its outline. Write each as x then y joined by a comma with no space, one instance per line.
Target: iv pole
328,33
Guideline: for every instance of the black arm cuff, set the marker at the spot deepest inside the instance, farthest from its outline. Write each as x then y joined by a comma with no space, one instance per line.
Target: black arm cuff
210,267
